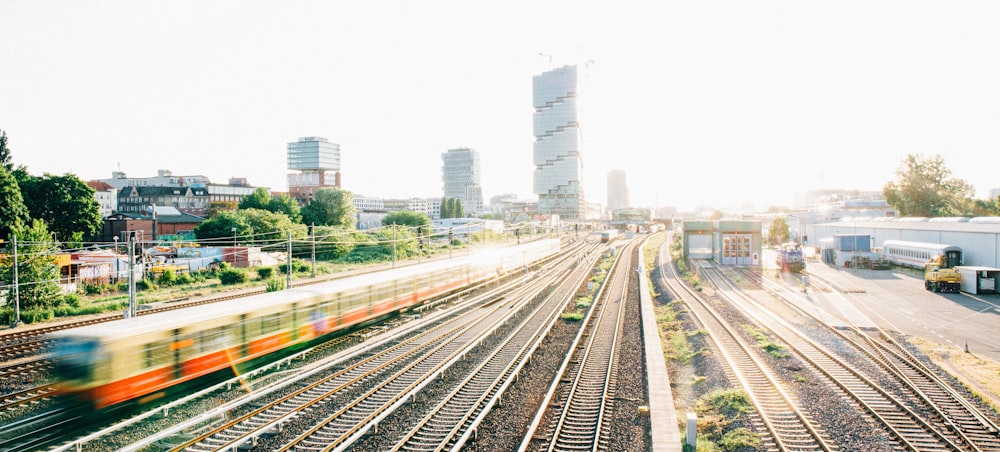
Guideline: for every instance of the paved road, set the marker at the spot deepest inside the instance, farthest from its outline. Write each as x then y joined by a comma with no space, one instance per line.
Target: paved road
899,301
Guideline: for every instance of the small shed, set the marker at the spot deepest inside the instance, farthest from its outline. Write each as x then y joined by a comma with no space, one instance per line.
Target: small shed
849,249
978,280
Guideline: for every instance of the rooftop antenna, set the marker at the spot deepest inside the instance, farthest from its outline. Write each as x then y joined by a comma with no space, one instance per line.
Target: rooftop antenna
546,56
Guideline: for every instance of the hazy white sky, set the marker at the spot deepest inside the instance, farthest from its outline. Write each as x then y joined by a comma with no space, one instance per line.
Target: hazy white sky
700,102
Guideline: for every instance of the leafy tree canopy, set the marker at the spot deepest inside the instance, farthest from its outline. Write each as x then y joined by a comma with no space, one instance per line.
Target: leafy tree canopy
925,188
64,202
259,199
330,207
451,208
778,232
262,199
286,205
5,152
13,212
250,227
37,272
408,218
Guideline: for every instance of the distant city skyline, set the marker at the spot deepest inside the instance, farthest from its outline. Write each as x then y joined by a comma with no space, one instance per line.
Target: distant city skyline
702,104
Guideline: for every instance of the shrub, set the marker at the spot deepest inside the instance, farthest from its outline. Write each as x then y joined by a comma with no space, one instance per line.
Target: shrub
36,315
298,266
145,284
168,277
184,278
275,284
232,276
265,272
94,288
72,300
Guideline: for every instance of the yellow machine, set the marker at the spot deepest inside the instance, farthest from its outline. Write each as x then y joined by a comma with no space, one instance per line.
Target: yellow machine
941,278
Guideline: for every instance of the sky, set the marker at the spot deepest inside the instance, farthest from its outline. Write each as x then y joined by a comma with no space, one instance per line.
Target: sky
723,103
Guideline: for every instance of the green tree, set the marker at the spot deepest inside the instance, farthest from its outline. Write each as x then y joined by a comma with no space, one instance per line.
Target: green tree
334,243
37,272
259,199
5,152
13,212
65,202
451,208
330,207
262,199
408,218
252,226
925,188
778,232
286,205
443,212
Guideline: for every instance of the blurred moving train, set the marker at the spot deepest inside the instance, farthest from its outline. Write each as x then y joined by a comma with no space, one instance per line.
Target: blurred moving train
139,360
609,235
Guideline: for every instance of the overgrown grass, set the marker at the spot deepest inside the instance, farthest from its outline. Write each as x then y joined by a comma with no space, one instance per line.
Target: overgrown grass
573,316
763,341
717,410
675,338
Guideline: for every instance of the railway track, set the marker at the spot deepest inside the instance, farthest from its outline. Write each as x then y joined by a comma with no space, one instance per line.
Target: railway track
786,424
949,408
454,421
576,408
909,428
349,424
264,436
168,430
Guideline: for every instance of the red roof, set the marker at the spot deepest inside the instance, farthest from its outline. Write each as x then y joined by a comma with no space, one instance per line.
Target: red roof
100,186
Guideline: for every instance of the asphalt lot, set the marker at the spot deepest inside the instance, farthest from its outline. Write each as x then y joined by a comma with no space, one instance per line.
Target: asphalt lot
898,301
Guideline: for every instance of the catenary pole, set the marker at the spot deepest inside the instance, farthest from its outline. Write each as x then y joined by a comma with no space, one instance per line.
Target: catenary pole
288,265
17,293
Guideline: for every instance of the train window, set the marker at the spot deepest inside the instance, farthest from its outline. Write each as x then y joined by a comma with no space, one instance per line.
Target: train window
213,339
157,353
358,299
270,323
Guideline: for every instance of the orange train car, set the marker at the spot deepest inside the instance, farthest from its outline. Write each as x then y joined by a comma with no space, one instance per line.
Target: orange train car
139,360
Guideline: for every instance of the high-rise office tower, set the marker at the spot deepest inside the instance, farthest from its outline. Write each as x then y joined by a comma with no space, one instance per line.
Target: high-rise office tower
460,174
617,190
318,163
557,147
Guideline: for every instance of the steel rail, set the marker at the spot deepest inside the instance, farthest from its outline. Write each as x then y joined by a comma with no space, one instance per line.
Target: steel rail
912,430
452,422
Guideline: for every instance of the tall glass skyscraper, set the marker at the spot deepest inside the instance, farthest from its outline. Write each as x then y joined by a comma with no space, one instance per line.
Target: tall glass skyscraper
460,175
558,158
617,190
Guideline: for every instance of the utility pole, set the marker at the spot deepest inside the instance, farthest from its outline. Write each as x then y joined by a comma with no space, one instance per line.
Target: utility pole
288,266
451,234
312,235
131,277
17,294
394,245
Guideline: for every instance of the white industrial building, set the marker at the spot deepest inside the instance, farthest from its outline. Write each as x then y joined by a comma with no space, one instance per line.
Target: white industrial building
979,238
